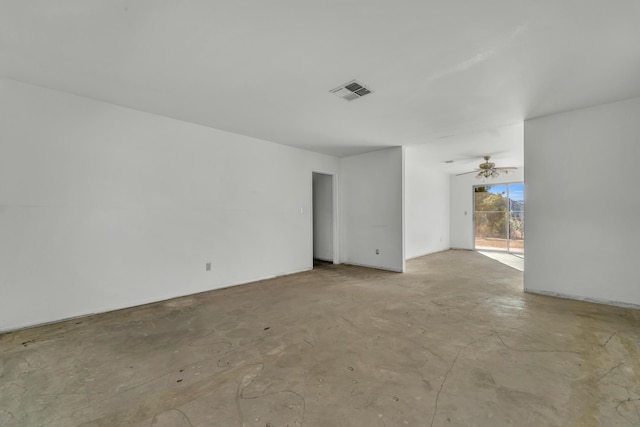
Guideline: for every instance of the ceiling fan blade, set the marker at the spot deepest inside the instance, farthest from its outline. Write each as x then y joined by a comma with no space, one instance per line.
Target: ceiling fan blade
466,173
510,168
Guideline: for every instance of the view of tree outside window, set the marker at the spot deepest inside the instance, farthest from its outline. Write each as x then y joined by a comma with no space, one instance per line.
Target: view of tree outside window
499,217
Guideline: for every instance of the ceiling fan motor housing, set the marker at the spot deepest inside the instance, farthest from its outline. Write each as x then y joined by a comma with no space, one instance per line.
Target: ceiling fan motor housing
487,165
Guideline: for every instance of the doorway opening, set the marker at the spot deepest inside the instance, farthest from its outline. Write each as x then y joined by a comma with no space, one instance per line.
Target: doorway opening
498,215
323,218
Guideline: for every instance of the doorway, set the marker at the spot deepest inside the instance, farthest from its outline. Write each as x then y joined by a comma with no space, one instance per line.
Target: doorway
323,218
499,217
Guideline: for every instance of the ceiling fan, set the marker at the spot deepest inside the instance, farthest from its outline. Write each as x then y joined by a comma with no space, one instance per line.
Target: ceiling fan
489,170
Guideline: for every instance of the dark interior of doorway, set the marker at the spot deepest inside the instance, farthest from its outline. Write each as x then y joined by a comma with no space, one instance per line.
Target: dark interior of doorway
323,218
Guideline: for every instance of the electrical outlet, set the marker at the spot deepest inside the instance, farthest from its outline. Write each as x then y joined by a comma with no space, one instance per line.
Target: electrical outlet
377,251
207,266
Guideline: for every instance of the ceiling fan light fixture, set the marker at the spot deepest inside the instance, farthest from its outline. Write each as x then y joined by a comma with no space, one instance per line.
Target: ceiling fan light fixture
489,170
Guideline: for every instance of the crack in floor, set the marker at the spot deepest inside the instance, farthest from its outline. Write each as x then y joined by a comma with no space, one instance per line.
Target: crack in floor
444,380
531,350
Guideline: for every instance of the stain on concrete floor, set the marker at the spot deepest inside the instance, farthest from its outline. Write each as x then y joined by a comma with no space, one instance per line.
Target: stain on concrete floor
452,342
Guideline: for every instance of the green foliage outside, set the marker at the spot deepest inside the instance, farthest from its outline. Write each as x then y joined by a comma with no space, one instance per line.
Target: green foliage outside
491,217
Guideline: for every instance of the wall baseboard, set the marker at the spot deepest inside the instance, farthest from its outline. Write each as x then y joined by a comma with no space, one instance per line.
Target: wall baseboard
374,267
103,310
584,299
430,253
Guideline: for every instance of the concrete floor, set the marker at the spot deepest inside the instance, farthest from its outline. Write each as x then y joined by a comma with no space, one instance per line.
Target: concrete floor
453,342
512,260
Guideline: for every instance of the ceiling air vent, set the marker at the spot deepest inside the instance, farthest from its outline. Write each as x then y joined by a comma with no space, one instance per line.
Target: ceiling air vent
350,91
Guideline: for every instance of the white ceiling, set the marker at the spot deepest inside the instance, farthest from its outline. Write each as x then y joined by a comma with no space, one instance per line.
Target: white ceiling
460,75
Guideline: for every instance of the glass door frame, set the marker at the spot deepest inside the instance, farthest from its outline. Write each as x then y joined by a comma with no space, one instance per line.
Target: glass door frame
508,213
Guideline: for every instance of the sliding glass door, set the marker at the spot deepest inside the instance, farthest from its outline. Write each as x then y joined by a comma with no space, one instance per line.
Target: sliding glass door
499,217
515,193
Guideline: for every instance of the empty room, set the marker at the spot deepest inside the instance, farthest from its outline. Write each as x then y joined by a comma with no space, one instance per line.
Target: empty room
342,213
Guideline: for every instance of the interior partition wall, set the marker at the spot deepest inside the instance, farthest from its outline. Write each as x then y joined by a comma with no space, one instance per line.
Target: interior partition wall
499,217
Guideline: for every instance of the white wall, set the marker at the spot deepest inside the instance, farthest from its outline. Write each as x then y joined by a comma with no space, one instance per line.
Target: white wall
103,207
323,216
462,205
583,203
426,204
371,200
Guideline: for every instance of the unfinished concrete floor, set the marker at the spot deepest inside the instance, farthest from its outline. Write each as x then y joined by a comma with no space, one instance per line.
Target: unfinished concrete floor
453,342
